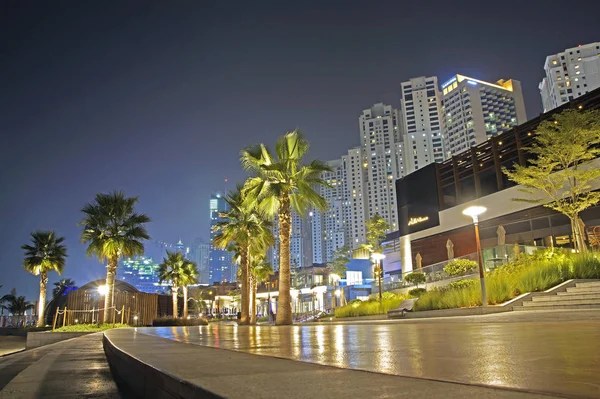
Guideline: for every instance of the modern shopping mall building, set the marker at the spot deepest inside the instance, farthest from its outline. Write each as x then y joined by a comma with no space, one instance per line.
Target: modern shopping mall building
431,200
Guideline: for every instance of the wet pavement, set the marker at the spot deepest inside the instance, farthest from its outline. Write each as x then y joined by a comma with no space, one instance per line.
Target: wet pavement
75,368
557,357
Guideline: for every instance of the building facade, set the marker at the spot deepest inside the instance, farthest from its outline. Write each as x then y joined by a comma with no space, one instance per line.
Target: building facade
220,262
200,254
331,229
431,201
382,150
421,111
141,272
475,110
570,74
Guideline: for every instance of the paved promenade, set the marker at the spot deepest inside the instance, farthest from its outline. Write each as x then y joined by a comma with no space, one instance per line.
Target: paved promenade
233,374
72,369
545,352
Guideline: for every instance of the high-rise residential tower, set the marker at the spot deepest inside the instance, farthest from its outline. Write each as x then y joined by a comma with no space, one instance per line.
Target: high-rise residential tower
200,253
300,242
421,107
383,160
475,110
220,262
570,74
330,229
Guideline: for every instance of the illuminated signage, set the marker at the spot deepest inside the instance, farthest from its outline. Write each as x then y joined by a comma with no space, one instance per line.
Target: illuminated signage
417,220
448,83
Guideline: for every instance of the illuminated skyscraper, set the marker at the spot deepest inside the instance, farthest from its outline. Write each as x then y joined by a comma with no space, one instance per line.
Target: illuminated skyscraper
220,262
141,272
570,74
475,110
421,111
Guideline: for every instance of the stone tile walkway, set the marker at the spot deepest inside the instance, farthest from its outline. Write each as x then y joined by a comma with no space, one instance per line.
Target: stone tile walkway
71,369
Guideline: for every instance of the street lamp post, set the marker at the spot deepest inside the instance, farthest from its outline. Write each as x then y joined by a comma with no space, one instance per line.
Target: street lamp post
474,212
377,257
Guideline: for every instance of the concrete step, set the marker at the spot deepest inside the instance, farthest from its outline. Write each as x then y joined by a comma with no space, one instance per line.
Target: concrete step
588,284
583,289
557,307
565,302
576,293
570,296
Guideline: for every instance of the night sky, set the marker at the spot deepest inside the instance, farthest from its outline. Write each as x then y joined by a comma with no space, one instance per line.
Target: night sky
157,98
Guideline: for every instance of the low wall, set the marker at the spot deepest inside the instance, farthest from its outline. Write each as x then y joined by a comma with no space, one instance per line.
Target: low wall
146,381
37,339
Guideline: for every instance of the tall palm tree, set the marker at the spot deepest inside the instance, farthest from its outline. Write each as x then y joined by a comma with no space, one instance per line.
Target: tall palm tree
247,228
113,229
260,272
280,183
46,254
180,272
61,286
189,276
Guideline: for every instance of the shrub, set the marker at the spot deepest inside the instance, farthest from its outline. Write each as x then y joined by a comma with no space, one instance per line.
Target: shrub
417,292
389,295
415,278
90,327
178,321
529,273
459,267
356,307
461,284
263,318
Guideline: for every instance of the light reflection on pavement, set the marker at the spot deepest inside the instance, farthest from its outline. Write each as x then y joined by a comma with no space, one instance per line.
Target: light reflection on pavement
557,357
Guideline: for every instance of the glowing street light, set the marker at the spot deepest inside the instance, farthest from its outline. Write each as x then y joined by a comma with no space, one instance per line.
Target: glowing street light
103,290
474,212
377,257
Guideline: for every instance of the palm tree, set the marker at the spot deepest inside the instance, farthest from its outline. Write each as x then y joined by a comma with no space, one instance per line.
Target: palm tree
248,229
112,229
260,272
189,276
61,286
46,254
176,269
279,184
17,305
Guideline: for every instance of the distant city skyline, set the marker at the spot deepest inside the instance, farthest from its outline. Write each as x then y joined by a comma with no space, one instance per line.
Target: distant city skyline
159,105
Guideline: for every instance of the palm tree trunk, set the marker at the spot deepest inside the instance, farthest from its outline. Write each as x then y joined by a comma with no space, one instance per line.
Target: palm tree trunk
245,288
42,300
284,304
109,298
252,300
174,292
185,301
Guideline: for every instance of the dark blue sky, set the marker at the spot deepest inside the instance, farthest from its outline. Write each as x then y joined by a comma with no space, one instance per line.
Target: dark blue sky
157,98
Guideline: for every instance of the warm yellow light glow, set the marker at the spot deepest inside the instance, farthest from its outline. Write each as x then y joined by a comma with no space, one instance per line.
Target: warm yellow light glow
377,256
337,293
103,290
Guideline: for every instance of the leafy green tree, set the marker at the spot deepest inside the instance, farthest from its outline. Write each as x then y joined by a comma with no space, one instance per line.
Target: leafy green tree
415,278
112,229
45,255
245,228
180,272
558,170
376,228
281,183
341,257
